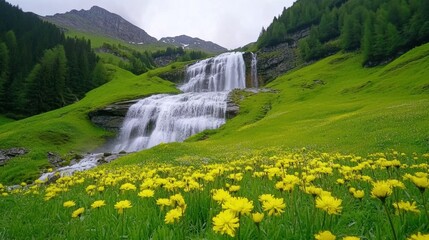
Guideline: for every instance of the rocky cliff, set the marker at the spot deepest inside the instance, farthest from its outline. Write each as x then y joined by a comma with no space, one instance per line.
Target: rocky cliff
100,21
277,60
112,116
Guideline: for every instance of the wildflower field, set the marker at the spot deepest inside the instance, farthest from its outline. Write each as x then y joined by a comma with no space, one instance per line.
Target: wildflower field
270,194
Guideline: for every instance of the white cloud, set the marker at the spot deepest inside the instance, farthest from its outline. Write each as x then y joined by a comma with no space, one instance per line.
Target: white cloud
230,23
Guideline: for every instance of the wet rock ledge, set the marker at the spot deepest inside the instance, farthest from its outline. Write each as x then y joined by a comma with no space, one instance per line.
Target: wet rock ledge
112,116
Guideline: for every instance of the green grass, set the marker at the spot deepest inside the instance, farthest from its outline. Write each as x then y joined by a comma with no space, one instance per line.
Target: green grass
4,120
332,105
69,129
37,212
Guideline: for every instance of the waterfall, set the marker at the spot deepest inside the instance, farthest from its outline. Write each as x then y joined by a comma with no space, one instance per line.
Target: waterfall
254,71
166,118
222,73
173,118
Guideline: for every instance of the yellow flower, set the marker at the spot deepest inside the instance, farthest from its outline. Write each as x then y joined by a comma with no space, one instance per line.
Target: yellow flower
381,190
419,236
358,194
325,235
173,215
163,202
177,200
146,193
406,206
340,181
90,189
69,204
274,206
351,238
121,205
329,204
78,212
257,217
98,204
128,186
220,195
234,188
225,223
266,197
421,182
238,205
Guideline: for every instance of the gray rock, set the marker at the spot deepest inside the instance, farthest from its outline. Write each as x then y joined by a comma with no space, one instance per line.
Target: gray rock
7,154
277,60
55,159
112,116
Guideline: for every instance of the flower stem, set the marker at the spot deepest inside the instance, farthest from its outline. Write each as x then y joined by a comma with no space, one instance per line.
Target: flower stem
390,221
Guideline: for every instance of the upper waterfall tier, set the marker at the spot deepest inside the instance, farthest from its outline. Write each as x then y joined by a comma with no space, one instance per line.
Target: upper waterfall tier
222,73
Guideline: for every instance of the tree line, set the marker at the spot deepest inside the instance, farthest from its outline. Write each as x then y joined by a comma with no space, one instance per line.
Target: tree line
40,68
140,62
380,29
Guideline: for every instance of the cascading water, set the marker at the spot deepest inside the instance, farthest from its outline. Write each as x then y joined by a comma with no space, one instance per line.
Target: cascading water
173,118
254,71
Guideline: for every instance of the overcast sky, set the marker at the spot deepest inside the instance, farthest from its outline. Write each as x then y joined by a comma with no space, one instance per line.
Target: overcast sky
229,23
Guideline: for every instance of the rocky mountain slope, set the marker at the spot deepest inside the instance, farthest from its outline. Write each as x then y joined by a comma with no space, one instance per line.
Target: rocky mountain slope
193,43
100,21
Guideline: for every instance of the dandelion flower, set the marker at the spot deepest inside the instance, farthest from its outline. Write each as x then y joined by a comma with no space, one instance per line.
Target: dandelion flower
226,223
234,188
128,186
146,193
177,200
358,194
69,204
163,202
238,205
173,215
419,236
257,217
329,204
421,182
406,206
351,238
266,197
381,190
325,235
98,204
78,212
121,205
220,195
274,206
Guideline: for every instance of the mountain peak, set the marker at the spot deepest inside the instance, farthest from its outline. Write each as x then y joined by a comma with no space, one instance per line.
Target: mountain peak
188,42
99,21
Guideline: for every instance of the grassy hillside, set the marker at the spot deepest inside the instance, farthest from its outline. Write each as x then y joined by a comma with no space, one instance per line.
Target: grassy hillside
4,120
69,129
262,161
332,105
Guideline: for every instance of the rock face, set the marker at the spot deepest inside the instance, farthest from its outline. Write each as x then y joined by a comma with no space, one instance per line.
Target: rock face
112,116
7,154
55,159
187,42
277,60
100,21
